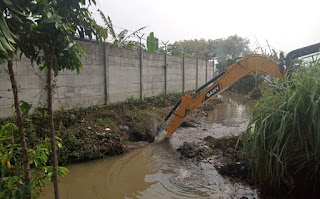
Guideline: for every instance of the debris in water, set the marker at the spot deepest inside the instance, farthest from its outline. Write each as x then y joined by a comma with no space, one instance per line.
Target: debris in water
160,136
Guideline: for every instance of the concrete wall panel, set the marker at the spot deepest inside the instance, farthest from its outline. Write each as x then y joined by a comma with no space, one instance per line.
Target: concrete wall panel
119,76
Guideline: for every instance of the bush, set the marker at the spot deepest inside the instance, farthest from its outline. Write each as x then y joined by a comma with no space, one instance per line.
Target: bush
12,183
283,138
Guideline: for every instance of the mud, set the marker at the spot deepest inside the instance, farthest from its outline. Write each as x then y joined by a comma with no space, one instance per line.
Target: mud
222,153
158,170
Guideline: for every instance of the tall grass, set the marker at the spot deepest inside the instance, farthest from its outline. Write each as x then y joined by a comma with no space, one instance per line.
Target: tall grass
283,137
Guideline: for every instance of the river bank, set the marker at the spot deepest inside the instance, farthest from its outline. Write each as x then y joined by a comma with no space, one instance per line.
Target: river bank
101,131
157,171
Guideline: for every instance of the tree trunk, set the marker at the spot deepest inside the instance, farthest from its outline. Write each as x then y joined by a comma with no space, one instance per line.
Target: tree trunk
52,133
23,144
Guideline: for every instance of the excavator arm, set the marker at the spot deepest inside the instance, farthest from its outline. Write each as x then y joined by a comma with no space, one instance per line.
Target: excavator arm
249,65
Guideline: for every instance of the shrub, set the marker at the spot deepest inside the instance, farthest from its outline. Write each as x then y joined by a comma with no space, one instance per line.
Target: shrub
12,184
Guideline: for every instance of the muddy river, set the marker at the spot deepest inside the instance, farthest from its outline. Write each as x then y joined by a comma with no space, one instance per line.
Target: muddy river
156,171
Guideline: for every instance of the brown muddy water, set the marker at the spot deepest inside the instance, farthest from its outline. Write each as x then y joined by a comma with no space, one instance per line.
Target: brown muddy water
156,171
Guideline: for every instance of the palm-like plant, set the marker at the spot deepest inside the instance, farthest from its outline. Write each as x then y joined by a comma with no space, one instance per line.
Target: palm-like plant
121,40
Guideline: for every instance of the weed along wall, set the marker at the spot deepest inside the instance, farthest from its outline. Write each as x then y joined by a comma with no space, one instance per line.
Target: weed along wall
110,75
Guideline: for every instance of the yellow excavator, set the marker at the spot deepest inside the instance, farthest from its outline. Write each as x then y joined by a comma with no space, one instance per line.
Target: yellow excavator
251,64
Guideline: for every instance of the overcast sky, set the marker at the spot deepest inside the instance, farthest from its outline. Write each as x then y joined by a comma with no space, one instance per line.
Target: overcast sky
286,25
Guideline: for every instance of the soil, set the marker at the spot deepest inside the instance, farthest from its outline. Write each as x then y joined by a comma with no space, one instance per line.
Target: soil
226,156
220,151
99,131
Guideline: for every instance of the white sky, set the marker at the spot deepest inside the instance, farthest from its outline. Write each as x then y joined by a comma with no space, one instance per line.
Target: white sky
285,24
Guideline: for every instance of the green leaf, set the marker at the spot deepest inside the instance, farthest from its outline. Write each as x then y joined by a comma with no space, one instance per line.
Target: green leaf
10,183
4,159
6,31
25,108
6,44
2,49
63,171
41,183
15,194
7,2
42,111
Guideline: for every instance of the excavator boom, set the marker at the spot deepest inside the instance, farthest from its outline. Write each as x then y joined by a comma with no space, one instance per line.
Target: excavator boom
249,65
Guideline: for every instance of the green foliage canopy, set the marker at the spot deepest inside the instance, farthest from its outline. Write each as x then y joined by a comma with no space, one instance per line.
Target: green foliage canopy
151,43
224,50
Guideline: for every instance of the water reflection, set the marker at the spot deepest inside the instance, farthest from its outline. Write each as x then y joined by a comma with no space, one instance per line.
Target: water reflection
116,177
235,107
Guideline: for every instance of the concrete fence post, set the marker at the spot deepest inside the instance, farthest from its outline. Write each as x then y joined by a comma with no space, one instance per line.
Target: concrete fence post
197,71
213,68
141,67
141,74
206,69
165,73
183,75
105,52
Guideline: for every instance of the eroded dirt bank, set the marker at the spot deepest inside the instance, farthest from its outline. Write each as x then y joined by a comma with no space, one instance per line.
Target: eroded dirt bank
160,171
100,131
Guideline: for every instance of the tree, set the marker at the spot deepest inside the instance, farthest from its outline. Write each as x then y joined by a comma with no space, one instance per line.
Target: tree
193,46
16,15
121,40
223,49
174,49
228,49
46,35
151,43
56,23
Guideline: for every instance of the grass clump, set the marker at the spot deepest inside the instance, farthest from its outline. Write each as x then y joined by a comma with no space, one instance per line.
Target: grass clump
283,138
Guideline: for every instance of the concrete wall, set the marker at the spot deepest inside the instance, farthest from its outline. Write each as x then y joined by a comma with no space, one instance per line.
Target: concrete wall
153,74
124,74
87,87
110,75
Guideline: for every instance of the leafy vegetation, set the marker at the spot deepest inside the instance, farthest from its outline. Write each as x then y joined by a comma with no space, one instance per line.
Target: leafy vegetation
151,43
121,40
44,32
7,38
83,130
283,138
12,184
224,49
228,49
